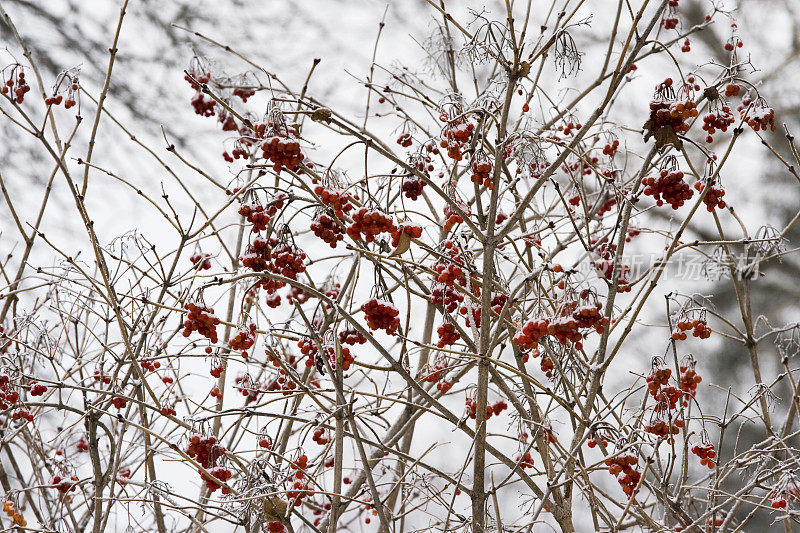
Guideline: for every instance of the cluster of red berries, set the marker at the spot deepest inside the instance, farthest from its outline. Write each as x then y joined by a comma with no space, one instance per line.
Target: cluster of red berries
610,149
455,135
452,218
288,260
220,473
202,320
436,374
351,337
412,187
244,93
698,326
57,99
321,437
481,174
370,223
412,230
64,485
448,335
256,215
244,339
524,461
623,466
719,120
83,445
732,90
667,112
38,389
528,336
20,414
668,187
405,140
276,527
283,150
760,117
446,297
16,517
201,261
119,402
326,228
566,129
347,357
299,488
495,409
17,86
705,451
547,365
257,257
381,314
661,427
713,198
658,378
204,450
688,381
670,23
589,316
335,198
733,42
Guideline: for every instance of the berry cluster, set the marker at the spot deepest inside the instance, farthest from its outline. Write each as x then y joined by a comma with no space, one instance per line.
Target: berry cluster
698,326
658,378
259,215
201,261
412,230
321,437
666,112
347,357
455,135
335,198
244,339
481,174
327,229
610,149
436,374
663,426
351,337
204,450
18,86
451,218
547,365
371,223
713,197
220,473
717,121
288,260
524,461
64,485
381,314
412,187
447,335
705,451
299,488
668,187
202,320
623,466
119,402
446,297
283,150
405,140
496,409
688,381
16,517
528,336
